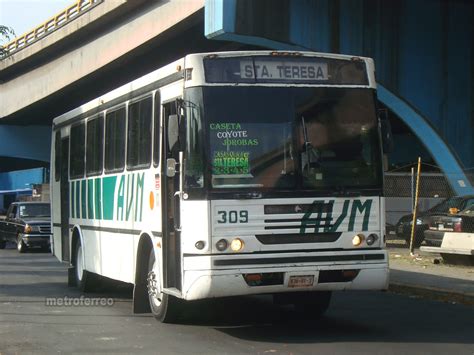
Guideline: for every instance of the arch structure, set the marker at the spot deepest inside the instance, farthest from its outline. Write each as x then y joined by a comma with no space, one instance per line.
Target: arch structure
220,25
437,147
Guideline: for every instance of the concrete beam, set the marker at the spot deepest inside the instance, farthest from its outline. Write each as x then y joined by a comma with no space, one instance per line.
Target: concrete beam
61,34
126,34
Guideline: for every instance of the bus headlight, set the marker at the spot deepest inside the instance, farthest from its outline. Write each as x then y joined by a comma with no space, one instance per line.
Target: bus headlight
237,244
357,240
222,245
200,245
371,239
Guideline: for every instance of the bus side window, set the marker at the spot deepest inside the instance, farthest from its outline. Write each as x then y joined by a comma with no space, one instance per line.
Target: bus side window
57,156
94,151
139,134
157,130
77,151
168,110
115,141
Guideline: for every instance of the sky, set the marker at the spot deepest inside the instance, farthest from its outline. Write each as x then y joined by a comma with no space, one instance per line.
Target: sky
25,15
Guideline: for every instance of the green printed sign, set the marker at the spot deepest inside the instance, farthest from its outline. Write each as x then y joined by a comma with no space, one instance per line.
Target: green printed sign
313,219
98,198
230,163
232,134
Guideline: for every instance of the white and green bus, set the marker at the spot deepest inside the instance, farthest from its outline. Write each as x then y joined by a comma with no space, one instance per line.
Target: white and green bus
226,174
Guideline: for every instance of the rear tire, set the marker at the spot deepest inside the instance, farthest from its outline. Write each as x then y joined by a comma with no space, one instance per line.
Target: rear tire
3,244
86,281
164,307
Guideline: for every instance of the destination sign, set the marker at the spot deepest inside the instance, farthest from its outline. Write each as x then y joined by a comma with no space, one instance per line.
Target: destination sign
281,70
287,70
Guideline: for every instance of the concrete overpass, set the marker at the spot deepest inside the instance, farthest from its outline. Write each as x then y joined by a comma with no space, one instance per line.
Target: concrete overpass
424,62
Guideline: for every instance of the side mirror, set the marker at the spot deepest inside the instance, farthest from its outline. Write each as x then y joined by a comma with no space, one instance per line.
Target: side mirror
386,132
170,167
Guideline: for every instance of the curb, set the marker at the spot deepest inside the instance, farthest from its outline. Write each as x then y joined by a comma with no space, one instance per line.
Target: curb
432,293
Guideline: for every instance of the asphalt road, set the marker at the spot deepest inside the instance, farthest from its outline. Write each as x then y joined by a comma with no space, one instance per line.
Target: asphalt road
357,322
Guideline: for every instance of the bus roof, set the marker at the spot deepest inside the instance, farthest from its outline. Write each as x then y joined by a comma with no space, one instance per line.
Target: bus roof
174,72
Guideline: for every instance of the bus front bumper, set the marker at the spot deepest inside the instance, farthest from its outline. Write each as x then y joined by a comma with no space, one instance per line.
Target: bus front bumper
232,275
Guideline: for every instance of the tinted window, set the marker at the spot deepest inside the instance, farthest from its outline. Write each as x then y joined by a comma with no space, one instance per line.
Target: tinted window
444,206
283,138
77,151
156,133
35,210
139,134
57,156
12,213
115,141
95,139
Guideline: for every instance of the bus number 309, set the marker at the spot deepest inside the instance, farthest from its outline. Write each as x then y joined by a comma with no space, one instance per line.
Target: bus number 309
233,216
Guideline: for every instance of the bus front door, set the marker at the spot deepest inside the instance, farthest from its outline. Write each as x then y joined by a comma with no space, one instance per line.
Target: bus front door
170,203
64,186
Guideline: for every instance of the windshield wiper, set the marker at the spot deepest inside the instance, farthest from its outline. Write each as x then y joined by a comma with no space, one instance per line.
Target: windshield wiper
343,191
311,153
248,195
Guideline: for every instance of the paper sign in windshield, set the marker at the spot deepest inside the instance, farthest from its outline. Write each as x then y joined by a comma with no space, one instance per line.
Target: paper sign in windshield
281,70
226,163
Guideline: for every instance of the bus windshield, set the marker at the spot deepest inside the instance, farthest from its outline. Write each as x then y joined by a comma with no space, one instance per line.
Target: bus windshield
281,138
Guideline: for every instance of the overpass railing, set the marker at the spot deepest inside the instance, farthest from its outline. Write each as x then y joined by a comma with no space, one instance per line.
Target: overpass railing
60,19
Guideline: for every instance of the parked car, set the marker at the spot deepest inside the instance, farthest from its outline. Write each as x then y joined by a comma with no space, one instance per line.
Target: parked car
28,224
444,208
460,222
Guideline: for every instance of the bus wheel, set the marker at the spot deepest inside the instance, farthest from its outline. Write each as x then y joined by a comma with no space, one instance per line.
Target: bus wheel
20,246
86,281
164,307
312,305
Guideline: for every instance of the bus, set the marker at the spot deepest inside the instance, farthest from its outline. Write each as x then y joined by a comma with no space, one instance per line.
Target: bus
226,174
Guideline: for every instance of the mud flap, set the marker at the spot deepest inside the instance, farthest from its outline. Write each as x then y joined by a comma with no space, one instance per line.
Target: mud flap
71,277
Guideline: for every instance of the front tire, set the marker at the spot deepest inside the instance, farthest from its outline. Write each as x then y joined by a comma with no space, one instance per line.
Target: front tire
86,281
20,246
164,307
313,304
310,305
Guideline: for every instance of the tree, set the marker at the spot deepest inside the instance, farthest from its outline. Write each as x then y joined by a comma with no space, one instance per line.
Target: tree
5,34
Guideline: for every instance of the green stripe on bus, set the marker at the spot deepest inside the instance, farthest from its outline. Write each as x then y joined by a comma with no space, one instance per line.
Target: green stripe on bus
71,198
83,198
98,198
77,200
108,196
90,199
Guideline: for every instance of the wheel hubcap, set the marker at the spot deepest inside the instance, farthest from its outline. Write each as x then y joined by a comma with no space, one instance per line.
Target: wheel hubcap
19,245
153,287
79,267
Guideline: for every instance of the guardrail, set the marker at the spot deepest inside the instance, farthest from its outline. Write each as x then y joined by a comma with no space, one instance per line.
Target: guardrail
50,25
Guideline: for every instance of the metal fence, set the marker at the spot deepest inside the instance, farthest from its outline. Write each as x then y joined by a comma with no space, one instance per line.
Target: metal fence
434,187
60,19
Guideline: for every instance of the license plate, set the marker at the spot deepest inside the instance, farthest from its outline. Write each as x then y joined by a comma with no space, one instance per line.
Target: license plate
441,227
301,281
